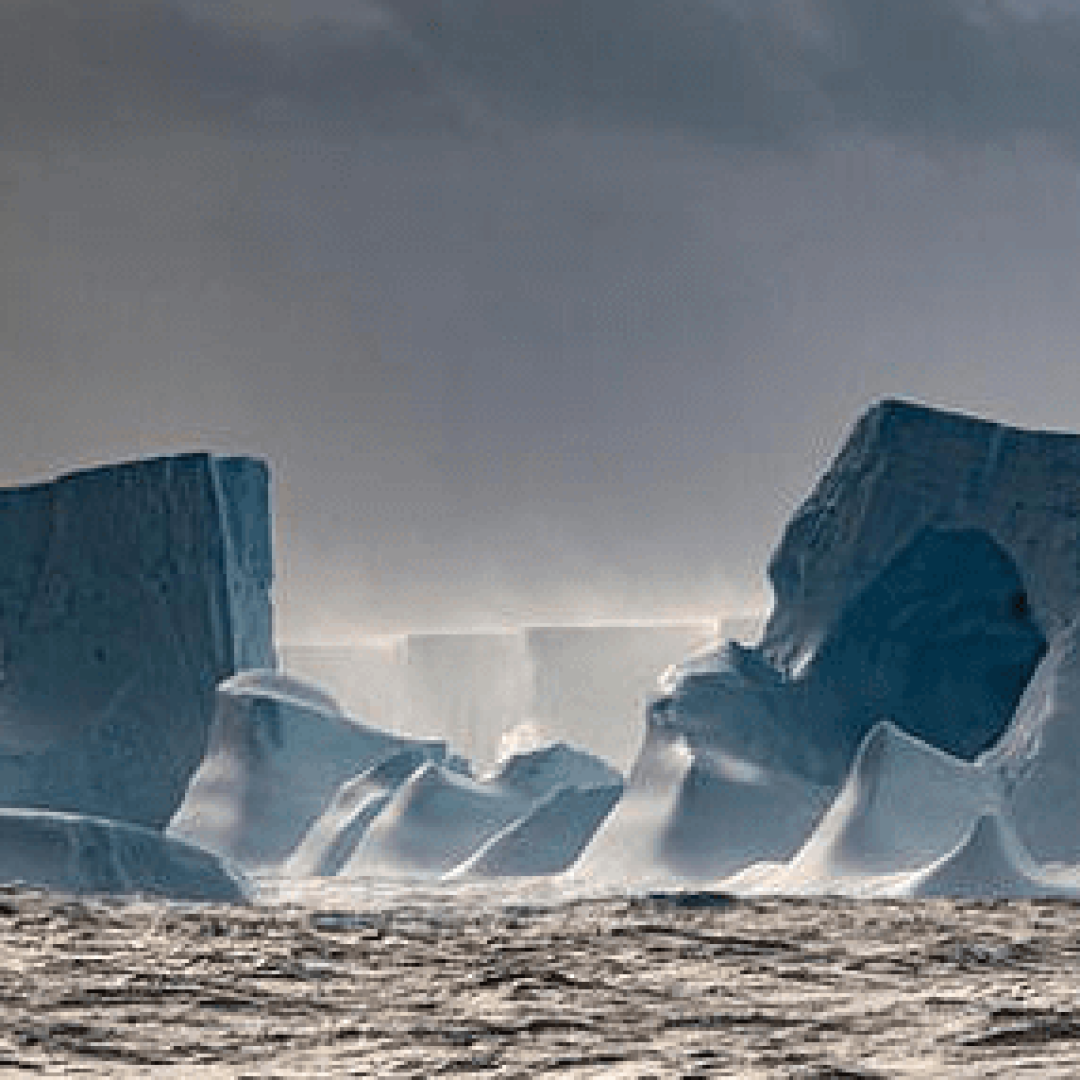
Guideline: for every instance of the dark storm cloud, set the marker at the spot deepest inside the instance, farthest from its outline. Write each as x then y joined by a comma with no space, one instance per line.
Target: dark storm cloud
110,69
778,72
769,72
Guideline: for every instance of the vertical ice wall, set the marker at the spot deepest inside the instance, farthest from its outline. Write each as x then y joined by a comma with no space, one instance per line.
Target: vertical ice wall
126,593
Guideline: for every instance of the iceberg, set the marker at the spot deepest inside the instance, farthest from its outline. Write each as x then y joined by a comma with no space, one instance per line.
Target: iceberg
941,642
331,839
280,748
695,814
907,466
918,585
523,782
127,592
76,853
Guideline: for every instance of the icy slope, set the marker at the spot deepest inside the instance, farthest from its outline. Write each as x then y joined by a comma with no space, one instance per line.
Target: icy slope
1038,758
903,805
696,814
279,751
548,838
126,594
433,822
331,839
81,854
988,864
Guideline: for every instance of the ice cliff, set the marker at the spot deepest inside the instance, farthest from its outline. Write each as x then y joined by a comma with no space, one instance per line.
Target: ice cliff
905,467
127,593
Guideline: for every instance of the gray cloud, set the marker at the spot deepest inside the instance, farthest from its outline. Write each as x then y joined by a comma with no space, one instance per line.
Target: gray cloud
530,305
777,73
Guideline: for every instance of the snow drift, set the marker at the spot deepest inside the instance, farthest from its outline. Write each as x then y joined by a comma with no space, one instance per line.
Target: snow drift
530,816
335,833
548,838
903,805
695,814
433,822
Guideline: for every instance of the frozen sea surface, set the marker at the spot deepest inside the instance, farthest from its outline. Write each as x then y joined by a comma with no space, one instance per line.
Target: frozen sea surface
474,982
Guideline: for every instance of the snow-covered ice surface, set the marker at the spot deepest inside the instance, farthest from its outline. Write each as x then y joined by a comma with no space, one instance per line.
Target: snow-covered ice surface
903,805
279,750
485,982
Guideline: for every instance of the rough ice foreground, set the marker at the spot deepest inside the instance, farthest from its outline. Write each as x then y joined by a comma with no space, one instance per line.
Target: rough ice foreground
474,983
126,594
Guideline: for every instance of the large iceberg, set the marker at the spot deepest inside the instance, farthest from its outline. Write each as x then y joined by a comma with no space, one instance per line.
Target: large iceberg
918,585
127,593
905,467
941,642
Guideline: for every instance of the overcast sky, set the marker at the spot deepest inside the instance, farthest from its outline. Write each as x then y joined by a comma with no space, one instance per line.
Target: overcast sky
540,309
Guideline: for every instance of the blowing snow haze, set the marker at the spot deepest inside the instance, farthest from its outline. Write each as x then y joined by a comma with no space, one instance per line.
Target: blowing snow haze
534,308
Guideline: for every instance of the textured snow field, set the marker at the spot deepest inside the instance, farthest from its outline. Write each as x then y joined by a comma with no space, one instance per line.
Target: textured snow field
470,982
